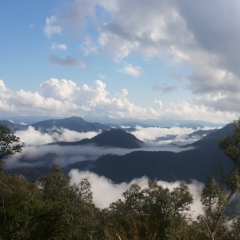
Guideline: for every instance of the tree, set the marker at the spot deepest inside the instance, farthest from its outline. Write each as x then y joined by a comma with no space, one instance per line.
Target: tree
68,210
50,208
150,213
20,203
9,144
215,199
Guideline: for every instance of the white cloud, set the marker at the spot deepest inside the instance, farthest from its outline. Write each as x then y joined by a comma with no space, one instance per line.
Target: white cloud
59,89
51,26
32,136
60,98
2,86
59,46
117,47
132,71
152,133
122,94
106,192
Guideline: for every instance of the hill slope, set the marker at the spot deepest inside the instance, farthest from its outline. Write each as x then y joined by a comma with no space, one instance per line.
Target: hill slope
110,138
204,160
77,124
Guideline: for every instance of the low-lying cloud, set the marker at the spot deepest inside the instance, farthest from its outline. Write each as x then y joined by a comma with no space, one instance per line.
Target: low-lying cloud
163,136
106,192
37,152
31,136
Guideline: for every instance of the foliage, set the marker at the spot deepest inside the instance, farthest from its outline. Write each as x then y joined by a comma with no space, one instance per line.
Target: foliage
215,199
153,212
9,144
47,209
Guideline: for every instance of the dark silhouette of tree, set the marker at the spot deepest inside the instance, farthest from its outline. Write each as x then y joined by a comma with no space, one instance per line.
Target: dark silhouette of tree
153,212
215,198
9,144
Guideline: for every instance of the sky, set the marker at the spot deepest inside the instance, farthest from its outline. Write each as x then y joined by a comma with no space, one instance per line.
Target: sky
118,59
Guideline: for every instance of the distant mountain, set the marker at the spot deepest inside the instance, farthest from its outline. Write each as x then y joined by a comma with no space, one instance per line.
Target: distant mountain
13,126
77,124
110,138
166,166
201,133
212,139
180,123
206,159
198,163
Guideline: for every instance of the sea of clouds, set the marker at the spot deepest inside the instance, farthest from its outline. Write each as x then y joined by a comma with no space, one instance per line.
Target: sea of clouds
36,145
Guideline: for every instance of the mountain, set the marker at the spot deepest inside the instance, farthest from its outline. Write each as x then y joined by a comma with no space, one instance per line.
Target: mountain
201,133
204,160
109,138
77,124
180,123
212,139
13,126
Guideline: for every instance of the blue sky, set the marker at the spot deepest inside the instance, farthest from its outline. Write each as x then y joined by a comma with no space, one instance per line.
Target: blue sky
120,59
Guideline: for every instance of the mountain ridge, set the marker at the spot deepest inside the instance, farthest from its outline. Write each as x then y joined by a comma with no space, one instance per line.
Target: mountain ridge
109,138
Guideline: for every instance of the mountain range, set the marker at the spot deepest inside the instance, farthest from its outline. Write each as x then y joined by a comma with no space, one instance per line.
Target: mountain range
202,160
77,124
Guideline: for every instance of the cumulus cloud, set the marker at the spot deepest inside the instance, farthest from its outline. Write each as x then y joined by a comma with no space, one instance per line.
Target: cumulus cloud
60,98
51,26
106,192
2,86
68,61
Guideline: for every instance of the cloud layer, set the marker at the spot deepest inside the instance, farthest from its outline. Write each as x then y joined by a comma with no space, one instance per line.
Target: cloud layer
36,147
60,98
106,192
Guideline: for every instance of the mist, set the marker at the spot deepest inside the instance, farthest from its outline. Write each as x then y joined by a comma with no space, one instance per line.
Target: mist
37,153
31,136
105,191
